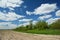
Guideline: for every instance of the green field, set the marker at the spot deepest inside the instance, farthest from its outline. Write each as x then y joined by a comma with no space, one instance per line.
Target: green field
46,31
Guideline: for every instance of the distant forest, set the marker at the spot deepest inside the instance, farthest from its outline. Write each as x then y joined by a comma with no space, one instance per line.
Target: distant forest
40,25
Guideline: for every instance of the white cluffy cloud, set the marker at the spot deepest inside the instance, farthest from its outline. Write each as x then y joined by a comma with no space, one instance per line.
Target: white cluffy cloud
51,20
28,23
24,24
44,17
10,3
34,22
43,9
58,13
10,16
25,20
29,13
7,25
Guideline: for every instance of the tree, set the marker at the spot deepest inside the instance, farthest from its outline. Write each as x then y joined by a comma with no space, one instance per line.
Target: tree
31,25
55,25
41,25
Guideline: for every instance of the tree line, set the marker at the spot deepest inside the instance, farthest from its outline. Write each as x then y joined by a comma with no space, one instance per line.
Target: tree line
40,25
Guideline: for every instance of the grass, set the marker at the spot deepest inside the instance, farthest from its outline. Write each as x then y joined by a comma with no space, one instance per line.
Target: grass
46,31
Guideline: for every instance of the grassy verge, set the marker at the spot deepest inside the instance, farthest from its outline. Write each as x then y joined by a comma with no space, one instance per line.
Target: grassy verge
46,31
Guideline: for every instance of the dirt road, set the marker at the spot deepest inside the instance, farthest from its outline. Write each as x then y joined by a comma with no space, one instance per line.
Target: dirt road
12,35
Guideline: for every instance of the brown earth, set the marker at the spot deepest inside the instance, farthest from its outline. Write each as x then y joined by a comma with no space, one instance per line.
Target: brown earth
12,35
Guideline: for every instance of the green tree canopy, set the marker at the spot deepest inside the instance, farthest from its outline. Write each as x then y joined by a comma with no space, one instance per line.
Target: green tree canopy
56,24
41,25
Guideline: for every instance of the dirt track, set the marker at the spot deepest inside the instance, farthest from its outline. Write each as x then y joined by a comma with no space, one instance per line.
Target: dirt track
11,35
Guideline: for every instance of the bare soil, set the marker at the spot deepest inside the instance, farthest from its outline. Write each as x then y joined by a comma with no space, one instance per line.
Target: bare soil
12,35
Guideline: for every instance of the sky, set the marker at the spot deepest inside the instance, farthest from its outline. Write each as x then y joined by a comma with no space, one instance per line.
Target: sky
14,13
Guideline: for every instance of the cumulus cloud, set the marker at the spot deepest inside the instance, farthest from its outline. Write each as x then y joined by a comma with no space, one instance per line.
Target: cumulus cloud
24,24
10,3
58,13
34,22
43,9
25,20
44,17
7,25
29,13
28,23
51,20
10,16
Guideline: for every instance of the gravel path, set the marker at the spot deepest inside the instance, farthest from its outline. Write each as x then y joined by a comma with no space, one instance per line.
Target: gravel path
12,35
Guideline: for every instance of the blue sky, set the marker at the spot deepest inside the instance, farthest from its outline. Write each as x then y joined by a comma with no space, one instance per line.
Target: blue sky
14,13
